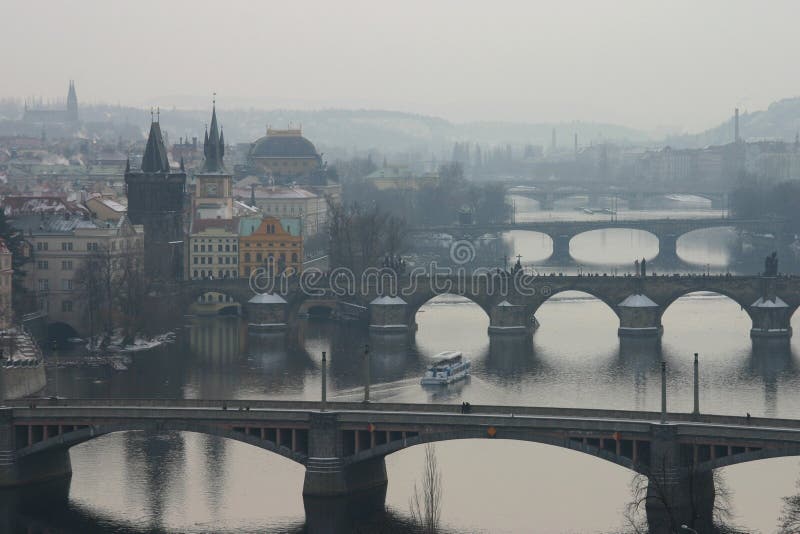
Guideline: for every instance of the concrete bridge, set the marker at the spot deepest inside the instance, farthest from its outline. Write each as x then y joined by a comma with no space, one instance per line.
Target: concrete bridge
547,193
343,445
668,231
511,301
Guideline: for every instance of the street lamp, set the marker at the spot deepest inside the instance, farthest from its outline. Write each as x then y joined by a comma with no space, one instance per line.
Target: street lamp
687,528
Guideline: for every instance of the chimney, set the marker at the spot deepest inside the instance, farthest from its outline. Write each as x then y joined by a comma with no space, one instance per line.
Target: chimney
736,125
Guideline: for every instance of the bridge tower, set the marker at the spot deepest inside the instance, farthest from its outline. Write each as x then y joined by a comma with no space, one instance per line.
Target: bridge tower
156,200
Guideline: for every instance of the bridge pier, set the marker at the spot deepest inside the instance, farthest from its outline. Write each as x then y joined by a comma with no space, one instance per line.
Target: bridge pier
389,315
770,314
14,471
676,493
327,475
507,319
561,248
639,316
668,250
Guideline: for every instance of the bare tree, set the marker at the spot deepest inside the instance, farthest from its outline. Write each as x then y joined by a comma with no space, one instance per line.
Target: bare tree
789,520
652,489
94,281
131,288
426,502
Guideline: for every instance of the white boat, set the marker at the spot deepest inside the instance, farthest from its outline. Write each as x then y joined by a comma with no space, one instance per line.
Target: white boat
450,366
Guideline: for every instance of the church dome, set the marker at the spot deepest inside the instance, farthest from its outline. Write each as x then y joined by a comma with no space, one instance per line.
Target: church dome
283,146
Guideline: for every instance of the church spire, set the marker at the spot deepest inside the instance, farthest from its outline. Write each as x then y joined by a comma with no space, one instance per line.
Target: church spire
213,145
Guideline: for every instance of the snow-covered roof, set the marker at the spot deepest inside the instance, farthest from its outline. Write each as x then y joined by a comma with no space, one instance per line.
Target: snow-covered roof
769,303
387,301
638,301
267,298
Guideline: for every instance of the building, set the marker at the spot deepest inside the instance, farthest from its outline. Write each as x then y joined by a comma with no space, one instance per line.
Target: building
213,194
104,207
284,154
401,178
60,241
214,249
6,272
289,202
39,113
156,200
272,243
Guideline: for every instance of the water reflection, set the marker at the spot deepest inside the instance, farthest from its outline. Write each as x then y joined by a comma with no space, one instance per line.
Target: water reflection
194,483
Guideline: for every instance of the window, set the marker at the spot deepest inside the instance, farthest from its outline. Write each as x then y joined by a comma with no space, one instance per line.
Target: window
219,248
194,274
227,260
294,257
259,257
235,260
227,248
247,257
44,284
195,247
66,306
66,245
42,264
234,248
66,285
195,260
202,260
41,245
66,265
202,248
92,247
219,259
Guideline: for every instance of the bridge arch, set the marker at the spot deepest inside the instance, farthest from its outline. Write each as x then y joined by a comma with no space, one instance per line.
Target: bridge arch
595,235
419,301
381,451
86,433
577,288
749,456
711,288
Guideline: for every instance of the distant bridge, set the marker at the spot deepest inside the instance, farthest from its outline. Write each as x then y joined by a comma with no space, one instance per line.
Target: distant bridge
343,445
668,231
547,192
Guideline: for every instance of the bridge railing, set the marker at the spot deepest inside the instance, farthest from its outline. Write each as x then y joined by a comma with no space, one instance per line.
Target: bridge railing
379,407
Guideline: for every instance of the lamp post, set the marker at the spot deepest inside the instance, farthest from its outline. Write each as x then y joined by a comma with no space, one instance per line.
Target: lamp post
366,373
696,411
324,382
663,392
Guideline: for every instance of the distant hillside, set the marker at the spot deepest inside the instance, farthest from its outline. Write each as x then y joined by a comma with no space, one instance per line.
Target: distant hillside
338,132
781,120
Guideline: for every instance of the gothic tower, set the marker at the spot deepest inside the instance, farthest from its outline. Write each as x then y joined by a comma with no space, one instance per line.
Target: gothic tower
156,200
72,103
213,196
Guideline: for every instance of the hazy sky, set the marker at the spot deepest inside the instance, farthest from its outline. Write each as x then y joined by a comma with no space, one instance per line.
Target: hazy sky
647,64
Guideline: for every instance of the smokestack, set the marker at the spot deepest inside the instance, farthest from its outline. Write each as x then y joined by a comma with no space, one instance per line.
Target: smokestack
736,125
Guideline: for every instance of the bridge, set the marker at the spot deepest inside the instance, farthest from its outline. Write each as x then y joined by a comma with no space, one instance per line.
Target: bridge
547,193
343,445
668,231
511,301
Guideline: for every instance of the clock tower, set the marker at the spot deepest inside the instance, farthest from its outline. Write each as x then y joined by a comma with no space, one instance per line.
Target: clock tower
213,197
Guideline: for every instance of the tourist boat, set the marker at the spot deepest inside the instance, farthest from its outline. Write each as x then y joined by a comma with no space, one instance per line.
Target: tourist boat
450,366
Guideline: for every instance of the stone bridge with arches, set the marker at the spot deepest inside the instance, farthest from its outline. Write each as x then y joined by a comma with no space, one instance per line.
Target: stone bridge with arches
667,231
547,193
343,445
390,303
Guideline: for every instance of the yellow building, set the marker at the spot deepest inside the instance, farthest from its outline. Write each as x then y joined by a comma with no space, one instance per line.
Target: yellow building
285,153
272,243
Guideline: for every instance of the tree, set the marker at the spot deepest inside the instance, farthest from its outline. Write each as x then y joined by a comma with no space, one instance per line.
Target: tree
132,287
15,242
789,520
94,282
426,502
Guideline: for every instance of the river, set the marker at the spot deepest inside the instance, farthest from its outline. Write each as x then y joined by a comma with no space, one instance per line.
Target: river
183,482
